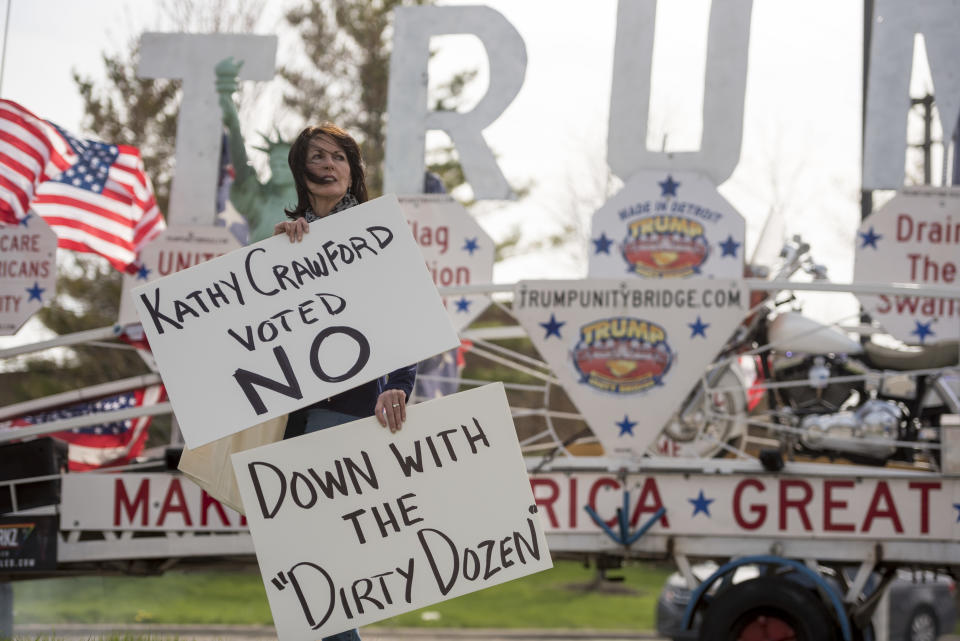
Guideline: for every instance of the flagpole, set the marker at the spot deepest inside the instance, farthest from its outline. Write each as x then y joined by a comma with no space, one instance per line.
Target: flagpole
3,53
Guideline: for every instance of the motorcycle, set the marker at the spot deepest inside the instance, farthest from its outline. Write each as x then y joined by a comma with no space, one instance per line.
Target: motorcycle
818,391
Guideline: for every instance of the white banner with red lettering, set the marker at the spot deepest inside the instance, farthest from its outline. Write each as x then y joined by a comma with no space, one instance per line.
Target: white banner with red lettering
741,505
148,502
763,505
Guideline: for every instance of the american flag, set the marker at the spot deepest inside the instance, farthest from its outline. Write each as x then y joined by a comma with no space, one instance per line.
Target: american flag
31,151
106,444
102,203
96,196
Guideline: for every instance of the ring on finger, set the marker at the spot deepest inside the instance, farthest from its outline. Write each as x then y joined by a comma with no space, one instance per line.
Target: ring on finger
396,404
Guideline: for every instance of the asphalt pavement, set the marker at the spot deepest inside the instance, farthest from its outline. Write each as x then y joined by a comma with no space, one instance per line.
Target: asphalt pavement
85,632
72,632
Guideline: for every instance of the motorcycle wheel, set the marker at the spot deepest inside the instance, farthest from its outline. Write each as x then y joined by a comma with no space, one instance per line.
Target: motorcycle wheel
720,420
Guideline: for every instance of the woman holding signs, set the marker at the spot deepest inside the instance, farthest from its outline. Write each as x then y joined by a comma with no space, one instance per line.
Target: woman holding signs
330,177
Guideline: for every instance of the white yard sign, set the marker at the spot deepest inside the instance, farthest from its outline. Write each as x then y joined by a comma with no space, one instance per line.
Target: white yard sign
262,331
667,225
175,249
28,271
628,352
354,524
914,238
456,249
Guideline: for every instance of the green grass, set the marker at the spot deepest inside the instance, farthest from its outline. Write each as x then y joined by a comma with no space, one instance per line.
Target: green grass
564,597
175,597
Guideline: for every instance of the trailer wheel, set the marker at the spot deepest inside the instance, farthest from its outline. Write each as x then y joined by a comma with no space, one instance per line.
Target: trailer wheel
767,609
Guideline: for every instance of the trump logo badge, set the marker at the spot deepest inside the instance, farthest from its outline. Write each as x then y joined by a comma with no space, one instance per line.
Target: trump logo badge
622,355
665,246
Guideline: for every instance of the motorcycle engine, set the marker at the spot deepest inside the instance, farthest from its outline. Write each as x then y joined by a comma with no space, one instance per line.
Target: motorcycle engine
814,393
868,431
833,415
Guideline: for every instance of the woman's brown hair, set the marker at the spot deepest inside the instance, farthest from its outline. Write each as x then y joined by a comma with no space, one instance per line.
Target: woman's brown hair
297,159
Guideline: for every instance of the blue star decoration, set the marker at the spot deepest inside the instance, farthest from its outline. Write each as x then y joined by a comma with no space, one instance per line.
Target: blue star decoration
668,187
470,245
35,292
729,247
602,245
24,222
956,506
869,238
463,305
922,330
626,426
698,328
553,327
701,504
143,272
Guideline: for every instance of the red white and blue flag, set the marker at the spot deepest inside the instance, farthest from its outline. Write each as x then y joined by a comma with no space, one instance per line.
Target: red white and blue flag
31,151
105,444
94,195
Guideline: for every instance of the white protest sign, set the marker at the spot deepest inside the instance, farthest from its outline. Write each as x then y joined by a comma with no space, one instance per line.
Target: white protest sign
175,249
628,352
354,524
28,270
667,225
264,330
914,238
456,249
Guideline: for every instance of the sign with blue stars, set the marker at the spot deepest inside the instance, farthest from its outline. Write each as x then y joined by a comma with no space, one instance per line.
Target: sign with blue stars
743,502
175,249
28,271
667,225
455,248
628,352
914,238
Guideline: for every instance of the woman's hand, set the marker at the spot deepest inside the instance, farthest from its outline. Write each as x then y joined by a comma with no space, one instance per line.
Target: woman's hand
295,229
391,409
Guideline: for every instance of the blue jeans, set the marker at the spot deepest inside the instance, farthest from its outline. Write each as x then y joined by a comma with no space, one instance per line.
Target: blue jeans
320,419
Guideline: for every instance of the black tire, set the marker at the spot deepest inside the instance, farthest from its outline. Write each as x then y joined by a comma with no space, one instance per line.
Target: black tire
922,625
768,601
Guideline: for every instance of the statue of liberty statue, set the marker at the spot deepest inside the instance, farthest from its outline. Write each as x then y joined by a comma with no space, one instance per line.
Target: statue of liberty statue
261,204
